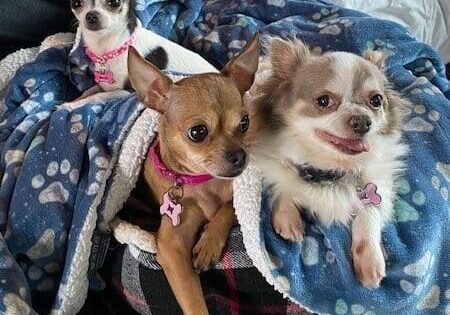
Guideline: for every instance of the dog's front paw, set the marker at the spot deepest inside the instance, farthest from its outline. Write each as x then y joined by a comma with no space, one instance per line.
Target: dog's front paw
287,222
369,263
208,249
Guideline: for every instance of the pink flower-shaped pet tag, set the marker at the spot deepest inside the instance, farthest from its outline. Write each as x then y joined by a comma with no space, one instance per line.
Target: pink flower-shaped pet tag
172,209
369,195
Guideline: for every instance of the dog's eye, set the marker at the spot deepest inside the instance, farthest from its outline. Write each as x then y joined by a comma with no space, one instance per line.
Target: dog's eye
376,101
114,3
323,101
243,124
198,133
76,4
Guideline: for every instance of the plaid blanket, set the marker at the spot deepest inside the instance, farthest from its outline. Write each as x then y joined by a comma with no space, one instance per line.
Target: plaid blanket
233,287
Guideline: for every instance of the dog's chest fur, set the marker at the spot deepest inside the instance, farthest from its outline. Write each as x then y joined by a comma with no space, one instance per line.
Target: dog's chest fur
329,201
335,202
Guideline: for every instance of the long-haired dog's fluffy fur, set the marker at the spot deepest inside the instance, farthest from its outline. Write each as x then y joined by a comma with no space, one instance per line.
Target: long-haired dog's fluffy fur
327,125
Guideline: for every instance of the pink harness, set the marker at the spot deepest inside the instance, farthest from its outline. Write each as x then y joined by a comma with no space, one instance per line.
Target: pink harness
101,73
171,205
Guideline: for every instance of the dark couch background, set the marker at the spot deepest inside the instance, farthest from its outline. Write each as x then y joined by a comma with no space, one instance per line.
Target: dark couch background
25,23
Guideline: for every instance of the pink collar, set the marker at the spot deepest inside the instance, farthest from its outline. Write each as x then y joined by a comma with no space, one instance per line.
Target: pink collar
102,74
180,179
103,58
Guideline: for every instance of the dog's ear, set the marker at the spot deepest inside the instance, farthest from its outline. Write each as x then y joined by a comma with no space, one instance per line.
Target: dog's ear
397,109
376,57
242,68
150,84
286,56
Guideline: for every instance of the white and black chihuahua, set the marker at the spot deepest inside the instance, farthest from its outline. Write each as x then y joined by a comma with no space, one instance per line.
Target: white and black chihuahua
329,142
109,27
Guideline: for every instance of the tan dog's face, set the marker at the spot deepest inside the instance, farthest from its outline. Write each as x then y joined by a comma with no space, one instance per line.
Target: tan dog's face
204,125
203,120
98,15
335,103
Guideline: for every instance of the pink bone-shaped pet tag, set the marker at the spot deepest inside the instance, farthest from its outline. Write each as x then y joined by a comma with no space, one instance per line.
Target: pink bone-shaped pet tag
106,76
369,195
172,209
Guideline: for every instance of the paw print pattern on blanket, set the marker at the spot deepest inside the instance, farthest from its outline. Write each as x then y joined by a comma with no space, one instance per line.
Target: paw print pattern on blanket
2,110
326,14
44,247
204,44
102,164
77,128
14,157
335,26
426,70
6,261
342,308
15,304
381,45
276,262
421,119
331,23
284,282
310,251
330,256
431,300
447,297
46,285
140,5
236,46
30,103
277,3
418,274
422,85
54,191
443,170
404,212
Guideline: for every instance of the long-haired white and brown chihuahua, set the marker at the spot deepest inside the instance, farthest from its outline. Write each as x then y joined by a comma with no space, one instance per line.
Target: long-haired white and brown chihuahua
107,29
329,142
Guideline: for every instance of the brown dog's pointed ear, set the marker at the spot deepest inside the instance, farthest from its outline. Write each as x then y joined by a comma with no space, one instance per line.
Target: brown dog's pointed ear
150,84
242,68
376,57
286,56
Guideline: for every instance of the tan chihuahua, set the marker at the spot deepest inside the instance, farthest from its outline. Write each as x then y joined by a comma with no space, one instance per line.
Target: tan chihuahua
199,149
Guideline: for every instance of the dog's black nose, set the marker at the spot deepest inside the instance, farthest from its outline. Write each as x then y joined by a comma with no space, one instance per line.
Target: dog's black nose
92,17
360,124
237,158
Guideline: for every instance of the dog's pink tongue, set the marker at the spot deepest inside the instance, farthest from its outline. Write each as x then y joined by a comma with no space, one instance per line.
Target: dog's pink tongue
357,145
354,145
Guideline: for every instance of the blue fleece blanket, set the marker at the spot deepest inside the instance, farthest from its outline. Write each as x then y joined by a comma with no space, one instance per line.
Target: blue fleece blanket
55,165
